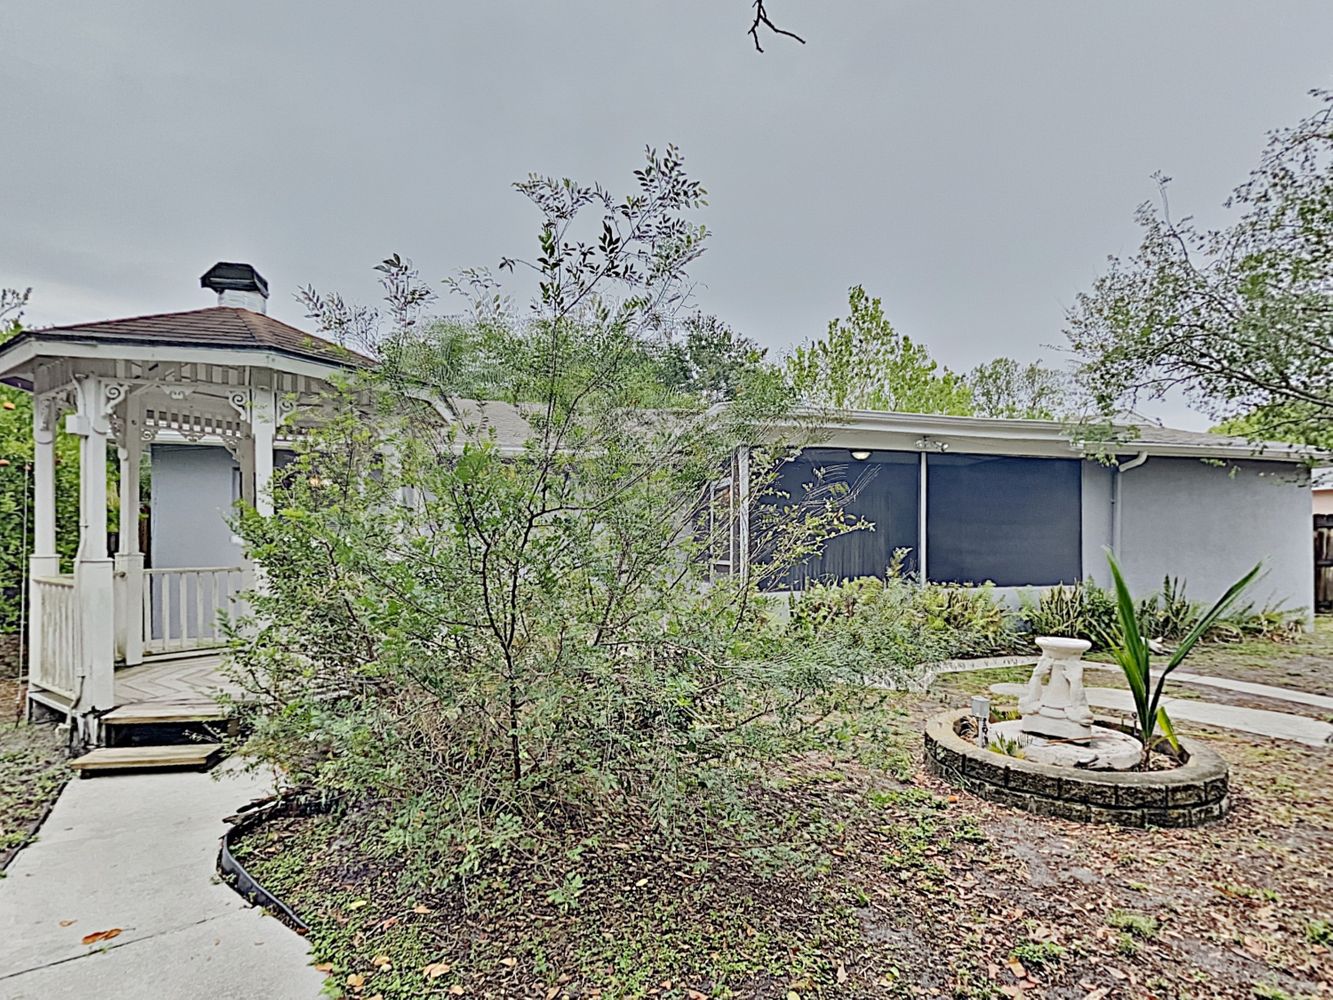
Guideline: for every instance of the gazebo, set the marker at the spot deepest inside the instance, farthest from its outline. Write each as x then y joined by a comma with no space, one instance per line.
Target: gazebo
120,639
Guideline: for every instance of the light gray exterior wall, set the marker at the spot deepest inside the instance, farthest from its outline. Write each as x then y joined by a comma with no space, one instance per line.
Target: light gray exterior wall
1097,480
194,487
1209,524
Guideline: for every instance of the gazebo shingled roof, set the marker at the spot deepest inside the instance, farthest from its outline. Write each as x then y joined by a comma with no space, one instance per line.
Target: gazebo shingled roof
217,326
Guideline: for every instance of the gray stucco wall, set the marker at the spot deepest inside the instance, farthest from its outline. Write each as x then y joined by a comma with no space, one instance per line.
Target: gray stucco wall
1209,524
194,487
1096,520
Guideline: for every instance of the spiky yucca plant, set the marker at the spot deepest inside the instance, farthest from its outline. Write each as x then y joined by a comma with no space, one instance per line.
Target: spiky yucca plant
1130,650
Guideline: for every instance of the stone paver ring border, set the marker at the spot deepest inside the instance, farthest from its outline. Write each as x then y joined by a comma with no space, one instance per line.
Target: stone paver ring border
1194,793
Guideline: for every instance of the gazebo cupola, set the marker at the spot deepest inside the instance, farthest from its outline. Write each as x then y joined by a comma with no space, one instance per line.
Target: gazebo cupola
228,379
238,285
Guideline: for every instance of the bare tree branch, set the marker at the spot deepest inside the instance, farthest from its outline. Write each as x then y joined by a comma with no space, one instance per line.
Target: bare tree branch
761,18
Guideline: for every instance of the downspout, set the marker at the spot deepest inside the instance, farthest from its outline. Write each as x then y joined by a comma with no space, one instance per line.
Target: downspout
1116,498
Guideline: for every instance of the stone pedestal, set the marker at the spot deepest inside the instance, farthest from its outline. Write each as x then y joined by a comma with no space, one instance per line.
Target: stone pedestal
1055,705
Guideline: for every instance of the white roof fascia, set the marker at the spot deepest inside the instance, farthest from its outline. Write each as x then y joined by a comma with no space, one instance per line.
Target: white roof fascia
38,347
1002,436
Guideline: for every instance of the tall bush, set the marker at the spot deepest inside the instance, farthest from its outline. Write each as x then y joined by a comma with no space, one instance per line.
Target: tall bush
475,637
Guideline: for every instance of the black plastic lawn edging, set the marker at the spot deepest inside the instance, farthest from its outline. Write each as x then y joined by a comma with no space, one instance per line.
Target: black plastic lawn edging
239,878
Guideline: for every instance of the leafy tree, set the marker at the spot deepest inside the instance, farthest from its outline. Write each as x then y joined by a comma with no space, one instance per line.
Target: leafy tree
473,640
1240,317
1005,388
711,359
16,518
864,363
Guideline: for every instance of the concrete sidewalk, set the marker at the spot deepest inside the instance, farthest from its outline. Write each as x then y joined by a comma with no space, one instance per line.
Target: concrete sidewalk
138,852
1279,725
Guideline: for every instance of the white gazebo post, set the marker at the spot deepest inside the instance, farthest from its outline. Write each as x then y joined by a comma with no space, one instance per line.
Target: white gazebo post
93,570
263,430
129,557
45,560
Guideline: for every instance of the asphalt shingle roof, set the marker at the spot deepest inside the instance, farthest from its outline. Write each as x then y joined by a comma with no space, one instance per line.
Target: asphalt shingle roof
219,326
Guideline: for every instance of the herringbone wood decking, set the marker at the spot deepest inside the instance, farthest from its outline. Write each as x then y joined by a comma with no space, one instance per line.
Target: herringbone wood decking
192,681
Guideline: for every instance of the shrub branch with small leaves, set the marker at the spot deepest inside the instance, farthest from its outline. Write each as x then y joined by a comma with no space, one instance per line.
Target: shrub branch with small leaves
472,639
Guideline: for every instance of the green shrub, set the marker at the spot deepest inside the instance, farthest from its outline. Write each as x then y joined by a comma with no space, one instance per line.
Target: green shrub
1081,611
889,629
1168,615
485,650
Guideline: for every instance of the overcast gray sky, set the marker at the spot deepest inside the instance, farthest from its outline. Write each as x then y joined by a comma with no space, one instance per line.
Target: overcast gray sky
971,163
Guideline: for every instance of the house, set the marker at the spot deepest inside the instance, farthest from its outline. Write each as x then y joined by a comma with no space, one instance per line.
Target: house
1021,503
215,398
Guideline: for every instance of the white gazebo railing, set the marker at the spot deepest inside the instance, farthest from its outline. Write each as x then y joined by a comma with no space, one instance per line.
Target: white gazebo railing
184,607
58,654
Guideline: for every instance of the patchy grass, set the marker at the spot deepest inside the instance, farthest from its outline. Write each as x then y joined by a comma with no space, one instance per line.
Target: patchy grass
32,773
1038,954
872,880
1137,925
1302,663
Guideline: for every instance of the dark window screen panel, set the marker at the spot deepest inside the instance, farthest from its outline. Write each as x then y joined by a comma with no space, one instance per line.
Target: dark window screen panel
1009,521
883,489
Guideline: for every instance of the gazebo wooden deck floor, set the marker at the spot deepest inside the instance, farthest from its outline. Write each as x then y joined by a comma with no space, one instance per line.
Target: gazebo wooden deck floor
175,689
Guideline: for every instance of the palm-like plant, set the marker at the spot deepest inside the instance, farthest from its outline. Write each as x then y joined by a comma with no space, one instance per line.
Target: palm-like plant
1130,650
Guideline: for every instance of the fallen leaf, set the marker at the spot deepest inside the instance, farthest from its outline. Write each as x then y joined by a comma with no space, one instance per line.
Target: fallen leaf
97,936
324,967
509,963
356,980
436,969
842,973
1016,967
420,909
381,962
456,990
66,923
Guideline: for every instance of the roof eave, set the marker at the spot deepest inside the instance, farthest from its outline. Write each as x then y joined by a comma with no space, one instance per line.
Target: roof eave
1036,432
26,348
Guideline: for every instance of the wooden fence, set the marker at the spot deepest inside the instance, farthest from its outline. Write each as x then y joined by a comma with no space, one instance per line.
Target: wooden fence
1323,562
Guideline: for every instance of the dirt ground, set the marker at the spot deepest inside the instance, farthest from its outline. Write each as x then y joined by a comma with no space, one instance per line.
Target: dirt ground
871,880
32,773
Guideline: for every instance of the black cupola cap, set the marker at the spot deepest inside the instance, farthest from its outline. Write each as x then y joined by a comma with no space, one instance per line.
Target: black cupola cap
223,276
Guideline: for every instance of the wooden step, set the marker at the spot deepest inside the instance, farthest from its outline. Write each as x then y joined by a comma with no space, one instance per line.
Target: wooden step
163,713
145,758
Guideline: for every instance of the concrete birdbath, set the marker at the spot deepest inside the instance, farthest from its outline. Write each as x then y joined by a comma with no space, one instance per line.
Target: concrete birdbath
1057,726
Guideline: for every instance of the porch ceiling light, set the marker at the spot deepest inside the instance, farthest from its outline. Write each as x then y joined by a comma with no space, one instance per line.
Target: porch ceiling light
860,454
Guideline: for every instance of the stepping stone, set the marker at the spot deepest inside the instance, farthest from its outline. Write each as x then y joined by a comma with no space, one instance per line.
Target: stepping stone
145,758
